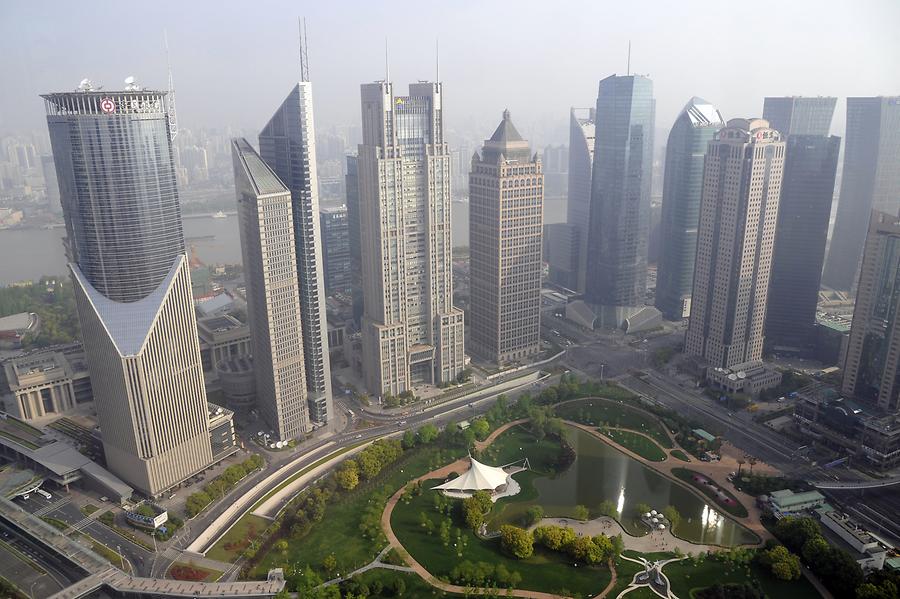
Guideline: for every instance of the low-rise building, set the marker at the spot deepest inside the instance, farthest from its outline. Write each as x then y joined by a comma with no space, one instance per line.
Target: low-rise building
45,383
749,378
868,551
15,326
222,336
237,381
785,502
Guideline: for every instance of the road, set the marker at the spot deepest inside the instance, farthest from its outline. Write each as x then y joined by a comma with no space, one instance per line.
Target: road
58,573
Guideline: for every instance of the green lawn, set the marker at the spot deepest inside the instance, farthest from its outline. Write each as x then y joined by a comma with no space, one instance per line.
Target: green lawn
685,578
88,509
338,532
679,455
625,572
518,443
545,571
639,444
735,509
414,585
244,530
618,414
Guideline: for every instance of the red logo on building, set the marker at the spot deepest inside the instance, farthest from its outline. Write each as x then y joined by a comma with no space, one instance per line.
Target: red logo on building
107,106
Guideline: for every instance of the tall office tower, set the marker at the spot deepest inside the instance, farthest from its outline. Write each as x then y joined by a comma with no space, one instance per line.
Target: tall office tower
506,198
738,213
352,190
682,186
288,145
51,184
411,333
807,191
561,249
620,198
581,165
125,247
872,364
265,217
870,181
796,115
336,250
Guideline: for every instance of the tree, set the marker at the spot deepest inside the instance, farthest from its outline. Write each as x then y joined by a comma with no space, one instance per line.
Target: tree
794,532
608,508
445,532
329,564
672,515
783,564
605,545
618,545
583,549
347,476
481,428
741,462
581,512
816,551
516,541
281,546
534,514
555,538
428,433
642,508
409,439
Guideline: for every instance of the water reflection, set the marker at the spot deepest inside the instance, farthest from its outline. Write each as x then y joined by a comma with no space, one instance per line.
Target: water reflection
600,473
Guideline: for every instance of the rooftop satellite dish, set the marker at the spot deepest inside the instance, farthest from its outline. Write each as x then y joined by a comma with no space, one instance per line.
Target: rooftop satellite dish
129,80
85,85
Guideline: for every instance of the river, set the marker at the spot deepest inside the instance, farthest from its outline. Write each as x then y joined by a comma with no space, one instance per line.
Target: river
31,253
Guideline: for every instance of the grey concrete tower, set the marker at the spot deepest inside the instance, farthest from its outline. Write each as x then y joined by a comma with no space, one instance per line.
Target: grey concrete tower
116,173
265,216
738,214
870,181
620,198
288,145
682,187
796,115
411,333
506,198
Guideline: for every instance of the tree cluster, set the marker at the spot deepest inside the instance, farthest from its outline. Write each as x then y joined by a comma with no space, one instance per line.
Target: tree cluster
475,508
220,485
53,301
484,574
836,568
783,564
516,541
589,550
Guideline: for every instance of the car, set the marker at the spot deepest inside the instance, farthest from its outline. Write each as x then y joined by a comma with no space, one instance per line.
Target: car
26,496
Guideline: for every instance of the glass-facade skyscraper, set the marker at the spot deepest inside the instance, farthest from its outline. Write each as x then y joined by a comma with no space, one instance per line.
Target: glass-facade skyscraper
796,115
616,281
870,181
578,209
288,145
682,187
125,245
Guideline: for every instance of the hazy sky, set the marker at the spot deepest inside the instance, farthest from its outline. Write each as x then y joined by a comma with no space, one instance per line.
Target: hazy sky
235,61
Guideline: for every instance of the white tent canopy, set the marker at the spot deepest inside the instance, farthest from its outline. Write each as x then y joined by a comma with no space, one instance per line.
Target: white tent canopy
478,477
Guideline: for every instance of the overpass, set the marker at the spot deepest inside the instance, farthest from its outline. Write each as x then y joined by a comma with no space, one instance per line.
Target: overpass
865,484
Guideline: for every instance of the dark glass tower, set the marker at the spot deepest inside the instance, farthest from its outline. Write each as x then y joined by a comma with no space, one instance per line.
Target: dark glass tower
870,181
578,216
795,115
117,185
352,187
807,190
288,145
682,186
620,198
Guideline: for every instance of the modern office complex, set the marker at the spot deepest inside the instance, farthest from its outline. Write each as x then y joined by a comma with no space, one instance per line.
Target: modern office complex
796,115
562,251
870,181
411,333
265,218
336,260
616,282
506,200
581,165
682,186
872,365
351,181
288,145
807,191
125,246
738,213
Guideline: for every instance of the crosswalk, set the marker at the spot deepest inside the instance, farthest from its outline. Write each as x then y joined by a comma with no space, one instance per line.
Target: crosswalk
55,505
83,523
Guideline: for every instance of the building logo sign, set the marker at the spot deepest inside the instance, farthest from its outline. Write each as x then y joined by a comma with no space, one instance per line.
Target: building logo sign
107,105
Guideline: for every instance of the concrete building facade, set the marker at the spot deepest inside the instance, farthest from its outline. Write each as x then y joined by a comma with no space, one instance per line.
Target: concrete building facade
742,176
411,332
336,261
506,200
682,187
288,145
46,383
265,216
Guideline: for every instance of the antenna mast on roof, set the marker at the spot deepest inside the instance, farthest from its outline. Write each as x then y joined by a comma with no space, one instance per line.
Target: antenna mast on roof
437,60
170,97
628,64
304,54
387,68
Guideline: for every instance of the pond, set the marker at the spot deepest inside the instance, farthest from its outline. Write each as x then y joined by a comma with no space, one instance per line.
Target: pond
602,473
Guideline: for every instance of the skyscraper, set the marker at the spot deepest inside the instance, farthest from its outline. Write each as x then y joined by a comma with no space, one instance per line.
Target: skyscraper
352,191
125,247
870,181
796,115
620,198
506,198
288,145
738,213
872,364
336,261
807,191
682,187
265,216
581,164
411,333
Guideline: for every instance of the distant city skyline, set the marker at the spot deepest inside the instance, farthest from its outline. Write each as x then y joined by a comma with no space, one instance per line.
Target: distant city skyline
219,84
